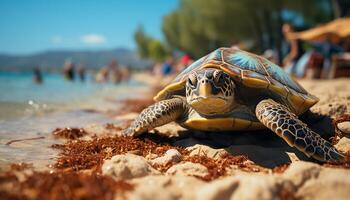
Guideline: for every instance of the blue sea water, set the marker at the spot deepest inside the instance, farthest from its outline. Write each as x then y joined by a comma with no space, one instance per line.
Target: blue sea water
20,96
19,87
29,110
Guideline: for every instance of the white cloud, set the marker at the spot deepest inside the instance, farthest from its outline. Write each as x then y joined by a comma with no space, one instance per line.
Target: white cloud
56,39
93,39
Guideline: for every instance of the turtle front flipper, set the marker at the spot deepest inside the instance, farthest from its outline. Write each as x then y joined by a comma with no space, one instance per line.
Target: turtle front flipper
285,124
156,115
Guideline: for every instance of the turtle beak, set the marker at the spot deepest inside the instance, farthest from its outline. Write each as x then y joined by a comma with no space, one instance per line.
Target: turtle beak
205,89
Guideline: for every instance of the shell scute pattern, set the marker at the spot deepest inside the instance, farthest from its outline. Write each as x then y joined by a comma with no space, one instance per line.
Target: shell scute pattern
254,79
281,76
251,70
245,61
215,55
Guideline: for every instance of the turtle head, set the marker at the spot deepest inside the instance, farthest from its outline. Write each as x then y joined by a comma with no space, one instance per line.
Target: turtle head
210,91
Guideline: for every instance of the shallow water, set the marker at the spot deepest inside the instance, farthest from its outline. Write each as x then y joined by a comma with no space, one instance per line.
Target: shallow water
37,149
30,111
20,96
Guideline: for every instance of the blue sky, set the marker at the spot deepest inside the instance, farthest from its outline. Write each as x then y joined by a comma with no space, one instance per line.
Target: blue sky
30,26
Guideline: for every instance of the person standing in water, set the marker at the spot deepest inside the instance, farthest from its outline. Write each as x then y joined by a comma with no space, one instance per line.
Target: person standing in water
37,76
81,72
68,70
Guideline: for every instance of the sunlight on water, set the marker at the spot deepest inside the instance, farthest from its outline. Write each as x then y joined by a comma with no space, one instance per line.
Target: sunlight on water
30,111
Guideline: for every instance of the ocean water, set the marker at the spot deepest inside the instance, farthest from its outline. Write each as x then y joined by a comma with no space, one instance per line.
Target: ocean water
29,110
21,97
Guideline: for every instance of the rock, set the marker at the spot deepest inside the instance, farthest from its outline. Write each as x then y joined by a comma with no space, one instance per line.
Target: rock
219,189
300,172
337,182
344,127
170,156
343,144
165,187
249,186
204,150
127,166
188,169
316,182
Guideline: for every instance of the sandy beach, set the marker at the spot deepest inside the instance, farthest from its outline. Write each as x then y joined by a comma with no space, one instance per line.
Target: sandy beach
91,161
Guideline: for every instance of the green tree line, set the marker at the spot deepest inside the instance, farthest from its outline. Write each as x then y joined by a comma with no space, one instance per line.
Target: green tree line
149,47
200,26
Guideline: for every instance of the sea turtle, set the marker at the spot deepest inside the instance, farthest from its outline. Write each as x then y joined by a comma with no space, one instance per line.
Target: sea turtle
230,90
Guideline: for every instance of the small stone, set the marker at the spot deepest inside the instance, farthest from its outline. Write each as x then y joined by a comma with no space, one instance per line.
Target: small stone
127,166
188,169
316,182
300,172
203,150
343,144
172,155
344,127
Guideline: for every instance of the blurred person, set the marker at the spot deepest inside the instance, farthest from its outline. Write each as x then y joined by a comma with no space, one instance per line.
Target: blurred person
327,49
68,70
37,76
294,49
81,72
102,75
167,67
114,71
185,61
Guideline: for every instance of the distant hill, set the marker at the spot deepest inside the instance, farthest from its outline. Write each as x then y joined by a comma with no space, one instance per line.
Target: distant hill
53,60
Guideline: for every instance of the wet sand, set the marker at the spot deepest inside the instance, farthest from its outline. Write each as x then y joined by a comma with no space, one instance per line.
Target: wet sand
94,163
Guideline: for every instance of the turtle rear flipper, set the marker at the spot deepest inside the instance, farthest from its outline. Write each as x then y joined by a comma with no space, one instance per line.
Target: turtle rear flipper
156,115
285,124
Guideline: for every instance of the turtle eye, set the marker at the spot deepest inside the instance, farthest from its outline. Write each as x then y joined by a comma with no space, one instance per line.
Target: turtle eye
219,77
192,80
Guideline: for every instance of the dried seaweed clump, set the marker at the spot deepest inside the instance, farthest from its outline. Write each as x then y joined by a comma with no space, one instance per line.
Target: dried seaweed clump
69,133
281,168
61,185
79,154
218,167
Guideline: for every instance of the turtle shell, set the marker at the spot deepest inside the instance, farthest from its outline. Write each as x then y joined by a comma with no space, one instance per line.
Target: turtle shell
252,71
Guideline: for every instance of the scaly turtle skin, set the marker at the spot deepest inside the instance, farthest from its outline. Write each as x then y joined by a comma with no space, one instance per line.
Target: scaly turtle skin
231,89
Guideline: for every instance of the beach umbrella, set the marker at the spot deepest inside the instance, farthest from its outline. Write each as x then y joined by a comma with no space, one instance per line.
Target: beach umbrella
334,31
